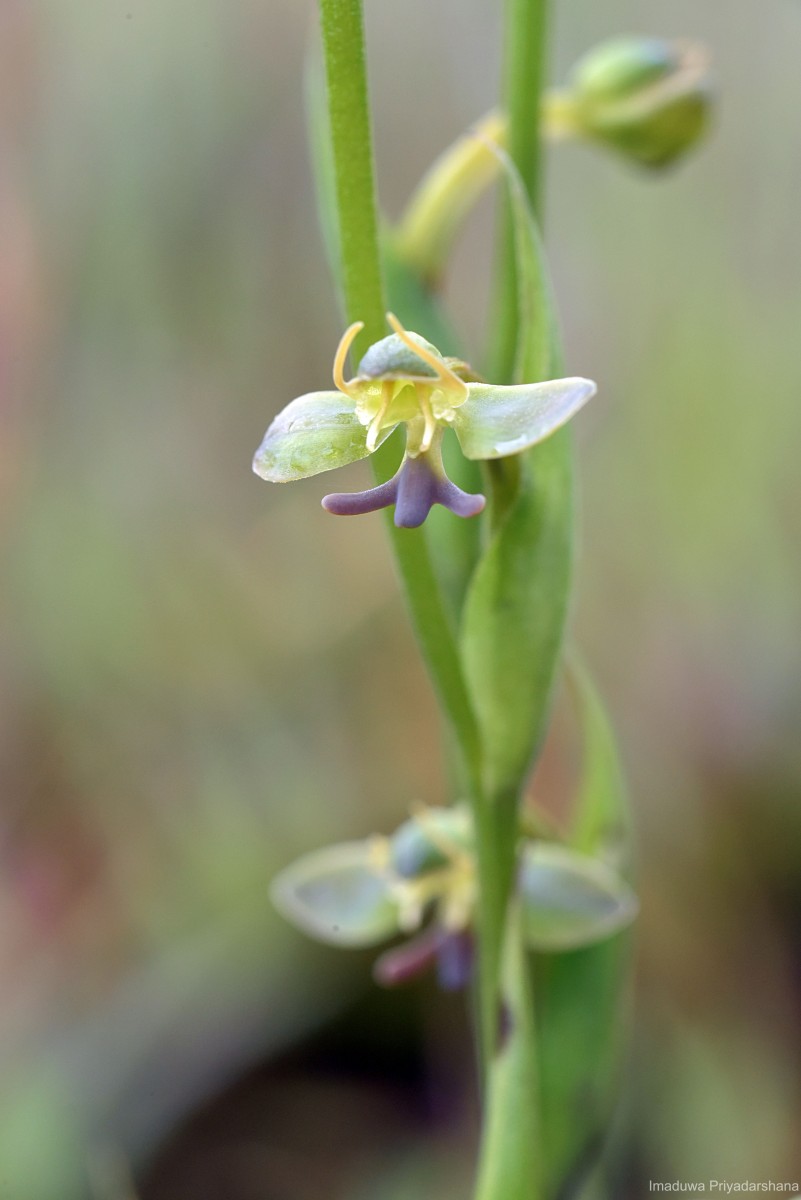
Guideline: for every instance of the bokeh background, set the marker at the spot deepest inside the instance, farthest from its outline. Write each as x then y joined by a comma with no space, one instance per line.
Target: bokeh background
204,676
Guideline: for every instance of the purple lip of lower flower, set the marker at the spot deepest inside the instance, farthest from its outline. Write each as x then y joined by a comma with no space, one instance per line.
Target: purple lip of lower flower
452,953
414,490
409,960
455,961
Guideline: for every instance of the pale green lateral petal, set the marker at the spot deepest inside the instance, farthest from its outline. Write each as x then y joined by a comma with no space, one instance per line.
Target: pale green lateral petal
337,896
570,900
495,422
316,432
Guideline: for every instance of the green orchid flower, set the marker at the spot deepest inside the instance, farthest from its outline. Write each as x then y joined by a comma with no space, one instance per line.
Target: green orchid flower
420,883
404,380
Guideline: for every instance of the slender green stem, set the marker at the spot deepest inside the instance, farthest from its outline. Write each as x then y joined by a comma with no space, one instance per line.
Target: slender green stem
510,1166
445,196
496,837
455,183
351,139
351,142
524,79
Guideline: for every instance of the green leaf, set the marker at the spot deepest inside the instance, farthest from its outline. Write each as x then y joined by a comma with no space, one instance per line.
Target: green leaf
582,1008
337,896
602,818
516,607
570,900
495,422
317,432
510,1162
515,612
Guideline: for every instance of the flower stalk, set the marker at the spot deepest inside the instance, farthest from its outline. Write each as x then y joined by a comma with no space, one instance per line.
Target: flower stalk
472,889
342,26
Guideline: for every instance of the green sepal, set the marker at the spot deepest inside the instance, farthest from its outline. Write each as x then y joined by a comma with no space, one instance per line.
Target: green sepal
317,432
428,840
619,66
495,422
392,357
337,896
570,900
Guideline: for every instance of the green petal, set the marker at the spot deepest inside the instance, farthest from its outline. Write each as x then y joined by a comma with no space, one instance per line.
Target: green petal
570,900
494,422
316,432
336,896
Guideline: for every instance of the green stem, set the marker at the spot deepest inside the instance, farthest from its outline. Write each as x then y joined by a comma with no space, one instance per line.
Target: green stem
510,1165
352,152
496,837
445,196
354,176
524,79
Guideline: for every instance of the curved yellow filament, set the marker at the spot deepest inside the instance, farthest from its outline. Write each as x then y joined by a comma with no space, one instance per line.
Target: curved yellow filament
446,376
345,343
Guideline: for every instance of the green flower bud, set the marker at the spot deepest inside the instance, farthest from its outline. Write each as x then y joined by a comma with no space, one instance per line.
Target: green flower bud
647,98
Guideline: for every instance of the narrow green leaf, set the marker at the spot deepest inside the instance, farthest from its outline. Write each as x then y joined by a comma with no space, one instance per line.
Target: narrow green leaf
583,1041
515,613
336,896
511,1166
602,818
516,607
322,161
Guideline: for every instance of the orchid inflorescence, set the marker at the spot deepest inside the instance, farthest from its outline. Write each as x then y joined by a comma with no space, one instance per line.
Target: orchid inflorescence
404,380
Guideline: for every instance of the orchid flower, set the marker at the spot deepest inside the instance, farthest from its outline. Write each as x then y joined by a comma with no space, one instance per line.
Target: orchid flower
404,380
420,883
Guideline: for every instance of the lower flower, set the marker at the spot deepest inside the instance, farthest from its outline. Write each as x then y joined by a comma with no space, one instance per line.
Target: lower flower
421,883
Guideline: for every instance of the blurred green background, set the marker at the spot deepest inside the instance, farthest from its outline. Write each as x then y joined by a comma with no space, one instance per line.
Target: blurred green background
204,676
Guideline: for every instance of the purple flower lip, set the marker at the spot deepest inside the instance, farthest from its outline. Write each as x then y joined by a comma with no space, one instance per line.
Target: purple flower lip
450,952
414,490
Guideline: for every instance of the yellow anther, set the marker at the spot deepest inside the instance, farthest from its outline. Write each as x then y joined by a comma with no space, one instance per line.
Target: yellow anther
345,343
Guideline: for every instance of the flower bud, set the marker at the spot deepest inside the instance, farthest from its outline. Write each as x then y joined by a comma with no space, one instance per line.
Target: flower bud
647,98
